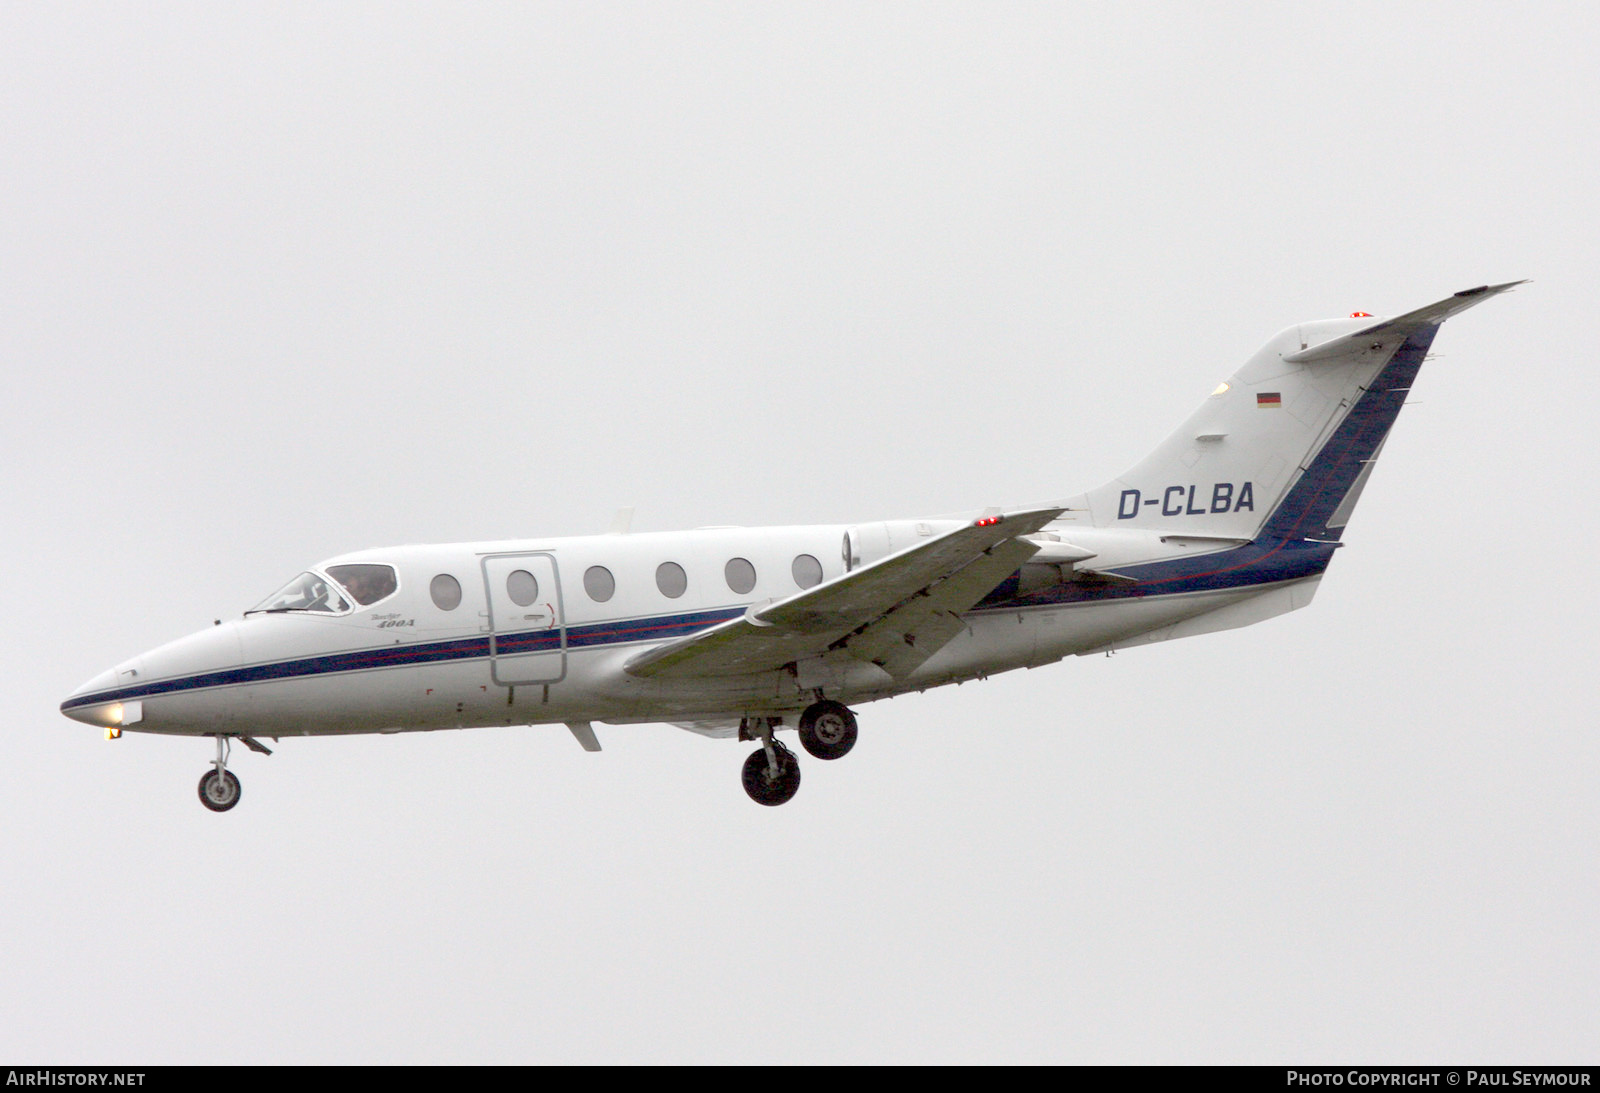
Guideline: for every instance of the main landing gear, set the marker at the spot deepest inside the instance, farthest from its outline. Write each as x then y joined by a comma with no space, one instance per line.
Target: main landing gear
827,730
772,773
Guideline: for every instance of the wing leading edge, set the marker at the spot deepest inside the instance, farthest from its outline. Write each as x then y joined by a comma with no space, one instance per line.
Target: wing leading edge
895,613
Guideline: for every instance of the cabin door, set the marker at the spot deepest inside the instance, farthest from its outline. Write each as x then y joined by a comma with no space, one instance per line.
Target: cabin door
527,626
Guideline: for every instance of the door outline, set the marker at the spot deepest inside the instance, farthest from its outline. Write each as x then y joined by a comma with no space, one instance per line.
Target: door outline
536,667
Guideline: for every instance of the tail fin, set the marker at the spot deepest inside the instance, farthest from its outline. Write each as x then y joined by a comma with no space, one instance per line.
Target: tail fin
1284,447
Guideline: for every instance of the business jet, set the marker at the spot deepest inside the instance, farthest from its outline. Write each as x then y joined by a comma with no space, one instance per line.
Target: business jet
746,632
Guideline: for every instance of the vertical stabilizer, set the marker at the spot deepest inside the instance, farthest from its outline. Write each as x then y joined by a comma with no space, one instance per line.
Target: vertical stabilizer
1284,447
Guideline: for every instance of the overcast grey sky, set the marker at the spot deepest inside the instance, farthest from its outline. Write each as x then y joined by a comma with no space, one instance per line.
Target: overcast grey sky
279,281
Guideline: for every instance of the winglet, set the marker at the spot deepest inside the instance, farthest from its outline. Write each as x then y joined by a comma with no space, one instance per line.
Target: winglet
1389,333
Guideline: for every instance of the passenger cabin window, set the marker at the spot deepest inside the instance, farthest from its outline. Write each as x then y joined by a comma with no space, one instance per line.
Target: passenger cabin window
522,587
310,592
367,584
446,592
599,583
740,575
671,580
807,571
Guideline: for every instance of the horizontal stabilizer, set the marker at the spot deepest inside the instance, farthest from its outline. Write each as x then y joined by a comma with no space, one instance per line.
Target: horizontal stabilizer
1384,336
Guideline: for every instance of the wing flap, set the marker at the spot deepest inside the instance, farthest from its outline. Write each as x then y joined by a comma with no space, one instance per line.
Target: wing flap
850,606
906,636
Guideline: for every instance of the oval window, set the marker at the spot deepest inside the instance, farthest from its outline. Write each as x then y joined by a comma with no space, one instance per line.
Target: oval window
446,592
671,579
598,582
807,571
522,587
740,574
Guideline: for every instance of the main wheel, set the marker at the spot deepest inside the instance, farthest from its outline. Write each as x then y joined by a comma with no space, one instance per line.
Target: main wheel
761,786
827,730
219,793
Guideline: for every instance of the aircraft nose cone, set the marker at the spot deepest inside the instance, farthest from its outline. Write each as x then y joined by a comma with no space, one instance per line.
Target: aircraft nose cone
168,689
92,703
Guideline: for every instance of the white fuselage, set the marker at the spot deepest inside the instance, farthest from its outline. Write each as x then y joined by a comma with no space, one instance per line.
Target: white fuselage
405,662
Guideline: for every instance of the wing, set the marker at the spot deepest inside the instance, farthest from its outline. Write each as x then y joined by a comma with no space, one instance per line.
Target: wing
896,612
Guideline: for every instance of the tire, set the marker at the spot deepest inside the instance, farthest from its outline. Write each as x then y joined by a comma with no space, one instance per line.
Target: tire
219,793
771,791
827,730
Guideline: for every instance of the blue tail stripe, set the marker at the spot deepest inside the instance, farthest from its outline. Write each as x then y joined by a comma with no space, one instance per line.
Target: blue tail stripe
1312,501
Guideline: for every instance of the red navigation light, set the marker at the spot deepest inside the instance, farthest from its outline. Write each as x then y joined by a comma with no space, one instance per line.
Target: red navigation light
986,522
1360,315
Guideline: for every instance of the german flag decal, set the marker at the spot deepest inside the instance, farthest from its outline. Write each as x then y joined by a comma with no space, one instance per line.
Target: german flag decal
1268,400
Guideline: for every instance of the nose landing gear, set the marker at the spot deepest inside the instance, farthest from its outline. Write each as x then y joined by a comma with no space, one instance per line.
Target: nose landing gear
219,788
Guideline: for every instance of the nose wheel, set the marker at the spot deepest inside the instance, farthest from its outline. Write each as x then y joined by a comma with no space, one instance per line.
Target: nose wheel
219,792
219,787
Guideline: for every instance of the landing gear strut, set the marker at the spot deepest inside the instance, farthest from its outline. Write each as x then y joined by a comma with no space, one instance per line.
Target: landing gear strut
827,729
219,788
771,774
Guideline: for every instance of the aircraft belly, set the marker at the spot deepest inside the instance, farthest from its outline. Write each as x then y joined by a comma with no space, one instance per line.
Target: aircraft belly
352,702
200,712
993,642
1104,624
1002,640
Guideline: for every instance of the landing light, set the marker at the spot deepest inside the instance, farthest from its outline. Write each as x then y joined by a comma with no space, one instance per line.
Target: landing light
1222,389
113,733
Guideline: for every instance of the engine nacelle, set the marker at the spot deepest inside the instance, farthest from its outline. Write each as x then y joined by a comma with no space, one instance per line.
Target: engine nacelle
866,543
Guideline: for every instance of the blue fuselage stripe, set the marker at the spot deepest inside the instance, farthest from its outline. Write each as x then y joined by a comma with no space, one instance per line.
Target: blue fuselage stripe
432,652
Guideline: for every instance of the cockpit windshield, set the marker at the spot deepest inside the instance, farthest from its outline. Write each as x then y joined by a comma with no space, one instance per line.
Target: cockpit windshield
307,592
367,584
